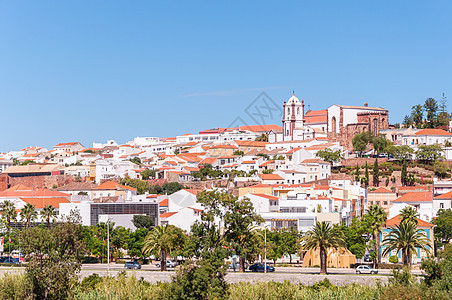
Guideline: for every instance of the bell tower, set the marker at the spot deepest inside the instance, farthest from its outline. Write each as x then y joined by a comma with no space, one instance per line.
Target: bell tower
293,117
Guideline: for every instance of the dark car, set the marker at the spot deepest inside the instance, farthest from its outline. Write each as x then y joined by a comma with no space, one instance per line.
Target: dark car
8,260
132,265
260,268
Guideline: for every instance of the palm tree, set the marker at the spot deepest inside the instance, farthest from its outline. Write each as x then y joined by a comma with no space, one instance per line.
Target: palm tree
322,237
409,214
8,212
406,237
378,218
163,239
47,213
28,214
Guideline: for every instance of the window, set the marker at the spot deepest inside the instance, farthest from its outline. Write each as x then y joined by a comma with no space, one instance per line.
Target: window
441,205
385,202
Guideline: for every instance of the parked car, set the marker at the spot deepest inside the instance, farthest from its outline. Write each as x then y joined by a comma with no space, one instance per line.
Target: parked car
8,260
132,265
259,267
364,269
169,264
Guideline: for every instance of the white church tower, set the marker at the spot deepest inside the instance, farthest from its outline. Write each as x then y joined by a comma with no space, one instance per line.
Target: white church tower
293,117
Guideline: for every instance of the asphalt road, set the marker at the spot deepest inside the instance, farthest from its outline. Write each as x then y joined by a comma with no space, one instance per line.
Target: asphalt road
286,270
307,276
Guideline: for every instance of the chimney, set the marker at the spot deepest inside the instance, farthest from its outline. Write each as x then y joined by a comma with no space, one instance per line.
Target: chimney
366,105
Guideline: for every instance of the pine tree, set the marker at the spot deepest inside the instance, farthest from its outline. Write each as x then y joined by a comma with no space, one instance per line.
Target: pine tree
357,173
376,175
403,176
366,175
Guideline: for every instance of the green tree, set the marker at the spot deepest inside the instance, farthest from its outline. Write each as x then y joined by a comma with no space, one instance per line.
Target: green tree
376,218
407,121
268,171
365,180
322,237
48,213
361,140
171,187
54,258
380,143
28,214
8,212
238,153
431,108
417,115
143,221
441,169
135,242
147,174
289,242
119,237
404,174
429,153
357,173
407,238
376,174
443,227
409,214
164,240
330,156
136,160
262,138
356,236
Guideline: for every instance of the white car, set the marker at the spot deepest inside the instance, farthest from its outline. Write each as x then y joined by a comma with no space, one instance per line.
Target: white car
169,264
364,269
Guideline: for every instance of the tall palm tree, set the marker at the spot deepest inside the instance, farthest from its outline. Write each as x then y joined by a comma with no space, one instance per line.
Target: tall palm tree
8,212
322,237
47,213
409,214
163,239
377,220
28,214
407,238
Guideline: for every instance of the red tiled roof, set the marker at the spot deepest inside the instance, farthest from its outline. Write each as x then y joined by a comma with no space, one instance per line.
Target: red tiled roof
260,128
164,202
429,131
444,196
314,161
192,191
208,160
393,222
248,162
168,214
269,197
270,177
415,197
251,143
266,163
41,202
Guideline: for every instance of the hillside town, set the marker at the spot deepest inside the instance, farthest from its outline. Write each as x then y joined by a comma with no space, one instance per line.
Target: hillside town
305,171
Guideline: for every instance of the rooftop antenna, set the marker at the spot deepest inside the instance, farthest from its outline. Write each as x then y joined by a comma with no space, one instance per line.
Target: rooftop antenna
293,92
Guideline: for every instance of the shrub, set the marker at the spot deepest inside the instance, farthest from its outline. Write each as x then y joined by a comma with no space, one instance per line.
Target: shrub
90,282
394,259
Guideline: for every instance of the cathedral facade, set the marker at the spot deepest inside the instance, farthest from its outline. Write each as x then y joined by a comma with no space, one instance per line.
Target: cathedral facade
338,123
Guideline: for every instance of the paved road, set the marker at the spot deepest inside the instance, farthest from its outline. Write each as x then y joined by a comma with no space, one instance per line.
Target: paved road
285,270
295,275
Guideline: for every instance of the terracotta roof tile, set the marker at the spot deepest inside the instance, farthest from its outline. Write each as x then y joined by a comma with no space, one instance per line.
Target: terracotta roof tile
393,222
168,214
269,197
415,197
429,131
270,177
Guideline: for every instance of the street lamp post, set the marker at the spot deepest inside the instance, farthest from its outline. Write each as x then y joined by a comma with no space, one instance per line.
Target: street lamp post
265,250
108,247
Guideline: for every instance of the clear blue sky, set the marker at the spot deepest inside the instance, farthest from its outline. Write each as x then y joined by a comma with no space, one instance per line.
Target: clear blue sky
97,70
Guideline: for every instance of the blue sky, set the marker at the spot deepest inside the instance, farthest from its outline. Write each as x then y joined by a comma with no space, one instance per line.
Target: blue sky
97,70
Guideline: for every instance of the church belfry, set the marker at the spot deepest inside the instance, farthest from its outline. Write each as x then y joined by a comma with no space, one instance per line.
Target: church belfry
293,117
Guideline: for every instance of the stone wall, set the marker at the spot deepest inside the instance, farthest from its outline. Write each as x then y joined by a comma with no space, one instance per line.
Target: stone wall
362,161
40,182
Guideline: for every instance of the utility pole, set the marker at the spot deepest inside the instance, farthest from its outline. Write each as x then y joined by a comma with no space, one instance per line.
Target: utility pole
265,250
